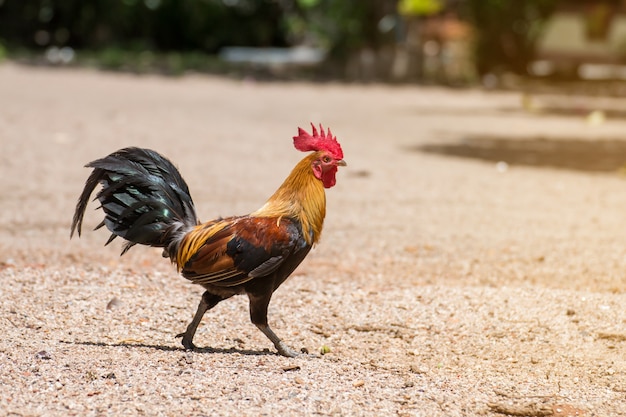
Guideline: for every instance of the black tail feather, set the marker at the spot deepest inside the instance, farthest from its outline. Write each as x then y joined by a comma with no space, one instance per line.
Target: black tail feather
90,184
144,198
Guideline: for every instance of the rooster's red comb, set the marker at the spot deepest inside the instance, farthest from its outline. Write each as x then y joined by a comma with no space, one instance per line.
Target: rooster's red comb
323,141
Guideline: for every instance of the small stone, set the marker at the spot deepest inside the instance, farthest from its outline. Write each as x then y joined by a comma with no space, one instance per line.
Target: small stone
358,383
416,369
42,354
114,303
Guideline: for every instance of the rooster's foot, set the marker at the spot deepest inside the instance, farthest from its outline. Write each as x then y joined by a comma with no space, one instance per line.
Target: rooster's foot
285,350
187,342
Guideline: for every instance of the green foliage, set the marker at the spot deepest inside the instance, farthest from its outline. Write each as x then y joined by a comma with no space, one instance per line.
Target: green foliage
160,25
119,31
308,3
112,58
345,26
166,33
170,63
507,31
419,7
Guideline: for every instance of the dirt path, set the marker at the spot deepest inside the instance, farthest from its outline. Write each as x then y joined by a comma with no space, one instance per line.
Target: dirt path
443,286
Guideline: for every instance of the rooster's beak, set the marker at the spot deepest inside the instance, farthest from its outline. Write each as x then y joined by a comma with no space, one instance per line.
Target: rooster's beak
341,163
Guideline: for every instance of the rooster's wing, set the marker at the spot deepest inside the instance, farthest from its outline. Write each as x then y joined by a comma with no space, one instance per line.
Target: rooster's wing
233,251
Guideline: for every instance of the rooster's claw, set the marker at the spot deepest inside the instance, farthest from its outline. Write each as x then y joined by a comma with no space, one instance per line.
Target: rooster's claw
187,344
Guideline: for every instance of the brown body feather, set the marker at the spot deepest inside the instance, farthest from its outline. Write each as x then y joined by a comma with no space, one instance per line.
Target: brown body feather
301,198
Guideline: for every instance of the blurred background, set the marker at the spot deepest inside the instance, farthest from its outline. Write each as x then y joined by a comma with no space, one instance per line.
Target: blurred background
449,42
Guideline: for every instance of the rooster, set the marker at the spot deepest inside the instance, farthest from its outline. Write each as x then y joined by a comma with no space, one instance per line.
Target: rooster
146,201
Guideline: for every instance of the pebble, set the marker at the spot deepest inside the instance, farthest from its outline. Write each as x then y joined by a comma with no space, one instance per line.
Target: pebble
114,303
42,354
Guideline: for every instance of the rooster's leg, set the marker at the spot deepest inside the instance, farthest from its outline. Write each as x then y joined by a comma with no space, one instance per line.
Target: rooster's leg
281,347
258,316
207,302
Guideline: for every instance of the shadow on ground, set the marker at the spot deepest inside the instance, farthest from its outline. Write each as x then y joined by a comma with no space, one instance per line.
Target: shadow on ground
572,154
174,349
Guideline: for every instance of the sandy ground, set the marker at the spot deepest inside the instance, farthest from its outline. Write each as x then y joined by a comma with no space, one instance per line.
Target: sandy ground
443,286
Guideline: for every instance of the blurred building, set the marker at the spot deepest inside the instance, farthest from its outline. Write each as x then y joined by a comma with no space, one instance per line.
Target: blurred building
584,39
434,43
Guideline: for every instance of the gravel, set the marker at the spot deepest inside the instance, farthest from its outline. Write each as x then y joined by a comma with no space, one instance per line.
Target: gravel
443,286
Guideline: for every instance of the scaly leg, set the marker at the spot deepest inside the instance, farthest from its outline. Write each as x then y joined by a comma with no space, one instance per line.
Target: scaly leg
207,302
258,316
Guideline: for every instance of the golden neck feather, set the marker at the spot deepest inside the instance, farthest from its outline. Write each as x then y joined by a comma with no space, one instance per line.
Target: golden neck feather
301,197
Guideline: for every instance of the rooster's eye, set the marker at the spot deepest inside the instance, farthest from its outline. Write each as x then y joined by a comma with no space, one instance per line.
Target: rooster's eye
326,159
